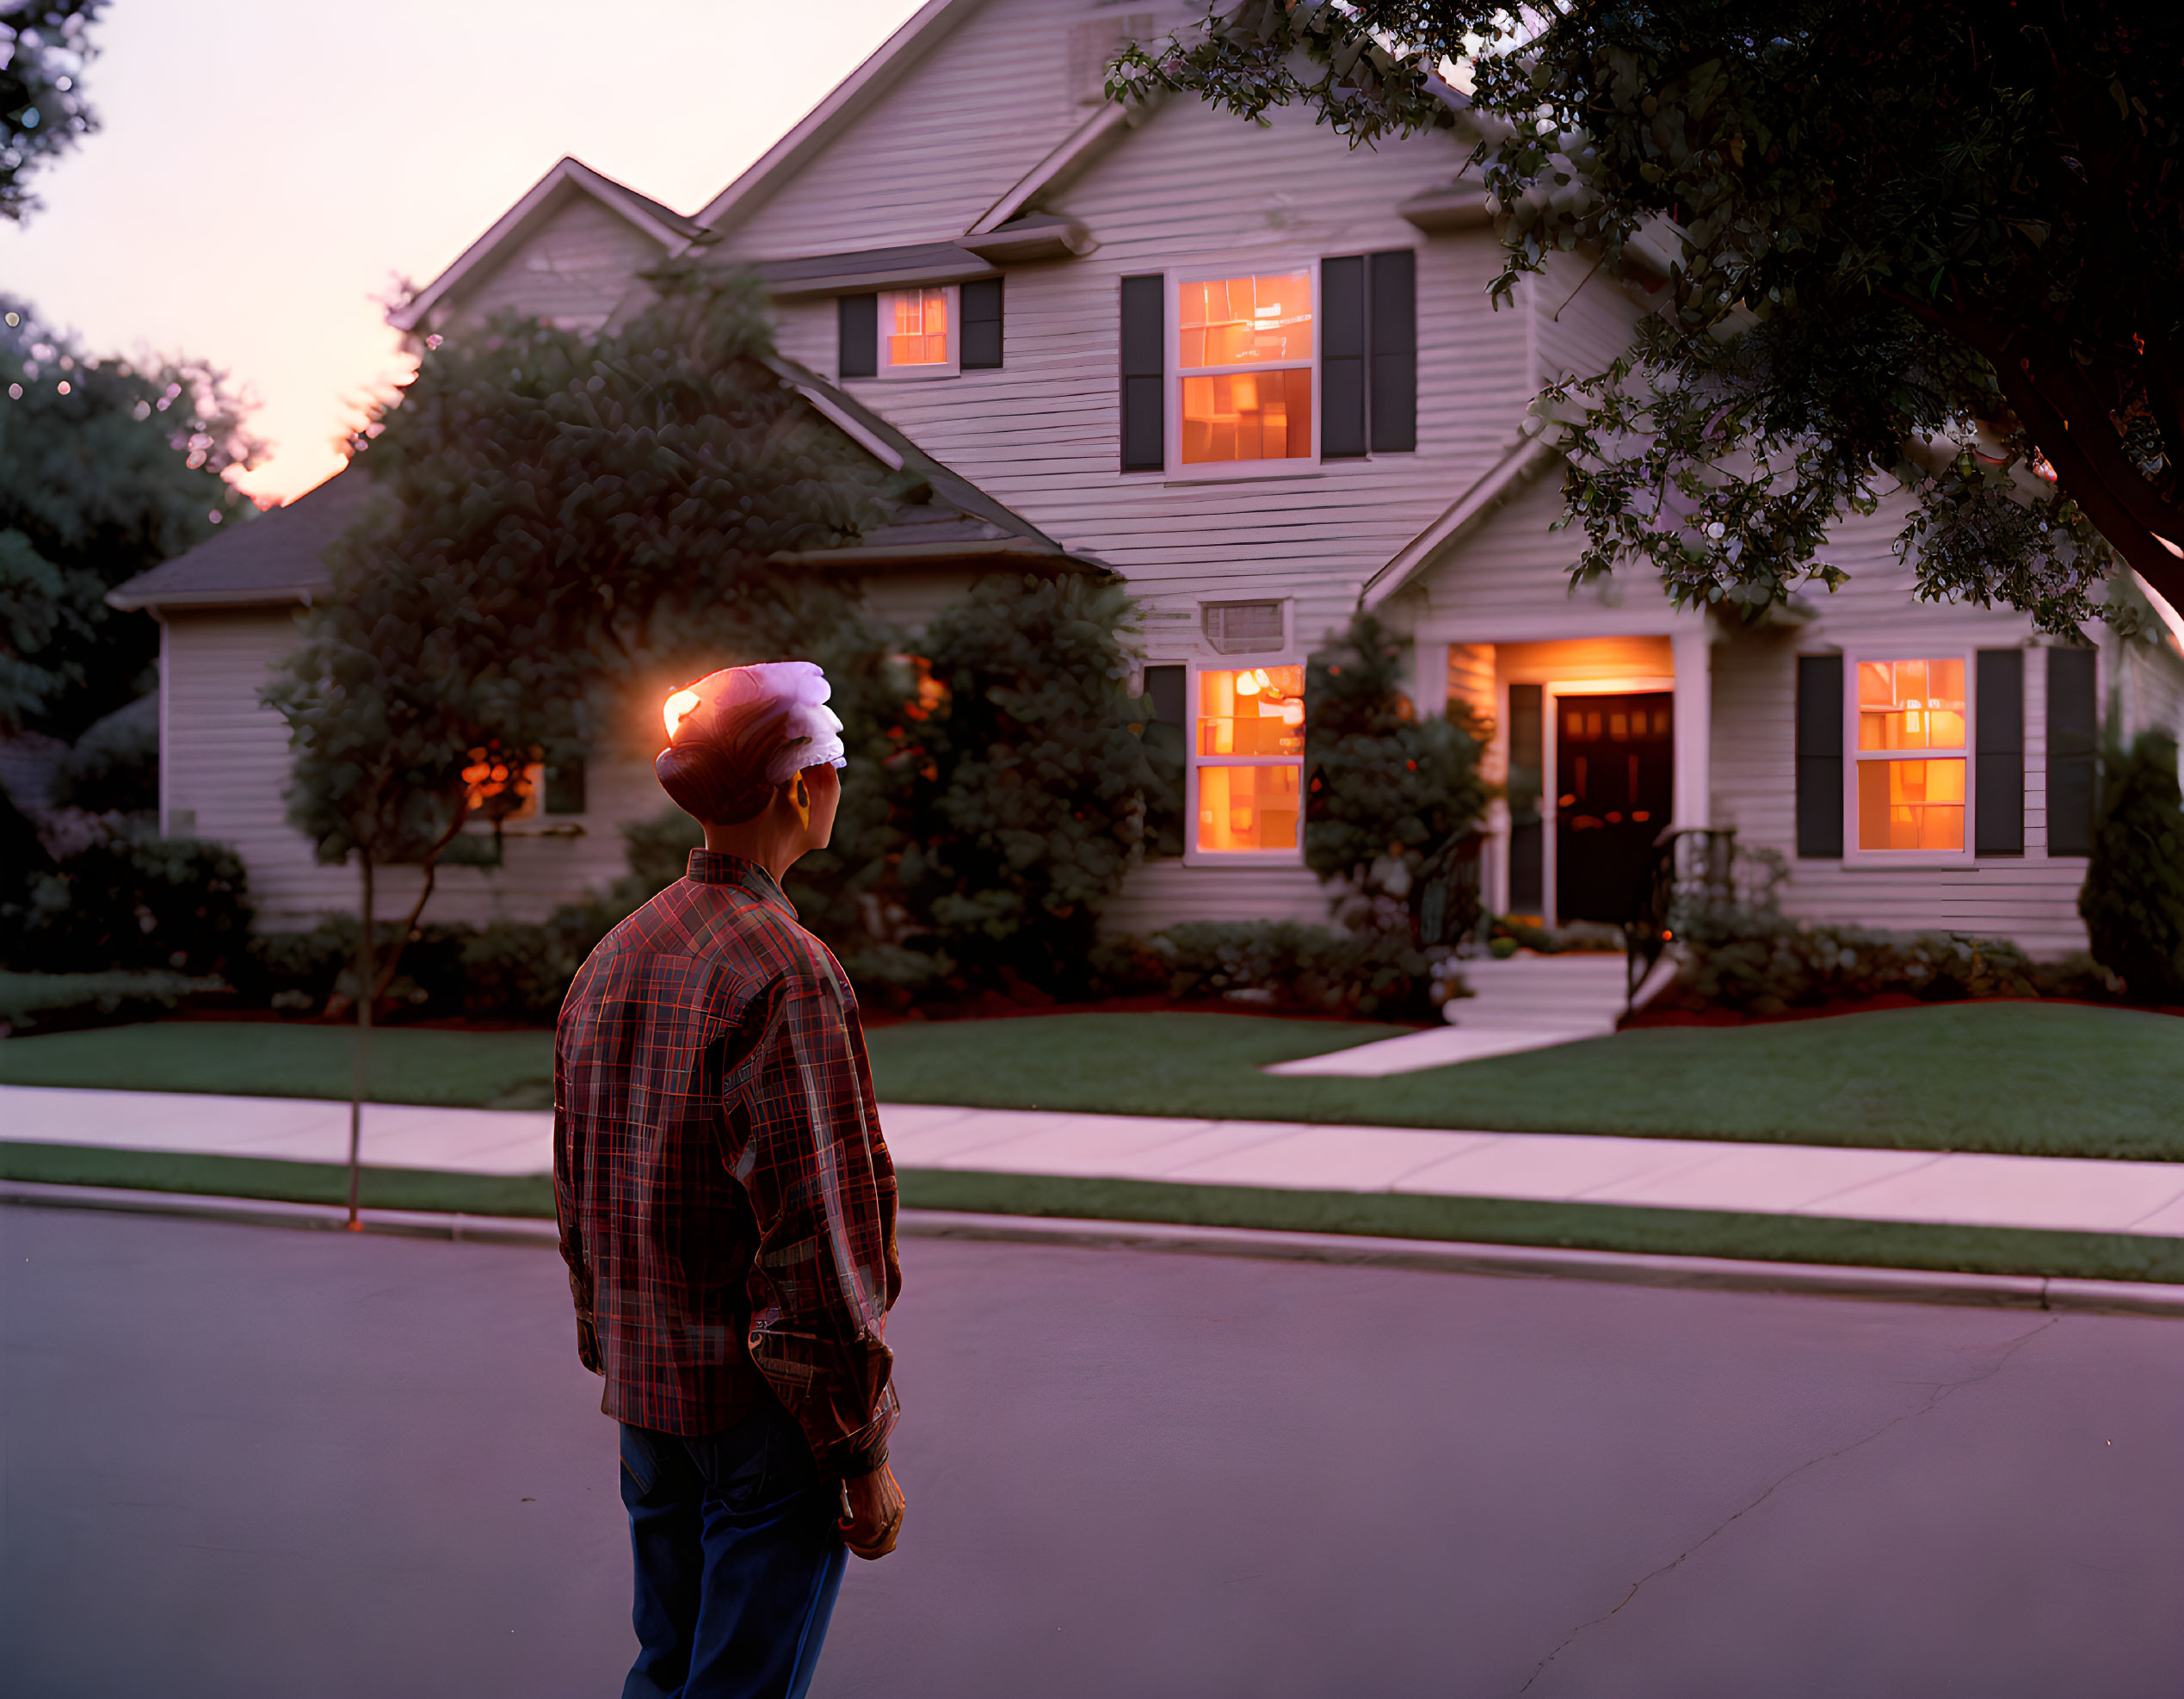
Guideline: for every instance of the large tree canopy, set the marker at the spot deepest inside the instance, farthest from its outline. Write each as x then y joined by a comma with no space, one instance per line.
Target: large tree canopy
43,49
106,468
1938,243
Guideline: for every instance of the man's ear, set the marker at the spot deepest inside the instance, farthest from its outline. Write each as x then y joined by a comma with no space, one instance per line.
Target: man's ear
801,799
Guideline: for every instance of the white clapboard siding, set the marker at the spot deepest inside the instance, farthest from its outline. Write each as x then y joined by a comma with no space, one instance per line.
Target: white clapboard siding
982,106
572,271
1163,892
1191,186
2032,899
228,762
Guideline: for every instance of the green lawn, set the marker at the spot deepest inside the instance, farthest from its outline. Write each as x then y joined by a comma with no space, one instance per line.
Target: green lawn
1685,1233
2043,1079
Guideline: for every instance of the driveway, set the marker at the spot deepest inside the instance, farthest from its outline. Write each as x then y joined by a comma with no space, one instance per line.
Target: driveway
245,1461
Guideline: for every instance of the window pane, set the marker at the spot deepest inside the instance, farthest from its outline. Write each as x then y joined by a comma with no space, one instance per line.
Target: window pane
1254,416
1244,321
1247,807
1911,704
1252,711
918,331
1911,804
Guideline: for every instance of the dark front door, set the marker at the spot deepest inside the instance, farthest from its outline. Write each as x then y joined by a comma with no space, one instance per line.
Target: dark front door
1614,777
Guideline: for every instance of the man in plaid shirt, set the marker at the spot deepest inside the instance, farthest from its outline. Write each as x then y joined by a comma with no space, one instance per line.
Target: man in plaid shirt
727,1212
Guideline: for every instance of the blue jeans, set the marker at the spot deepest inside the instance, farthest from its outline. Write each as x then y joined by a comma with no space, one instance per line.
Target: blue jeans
738,1559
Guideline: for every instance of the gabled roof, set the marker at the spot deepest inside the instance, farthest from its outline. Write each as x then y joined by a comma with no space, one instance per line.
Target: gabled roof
842,106
944,519
264,562
279,557
1505,478
669,228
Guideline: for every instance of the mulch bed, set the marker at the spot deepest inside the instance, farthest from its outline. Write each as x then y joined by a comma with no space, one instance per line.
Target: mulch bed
1652,1016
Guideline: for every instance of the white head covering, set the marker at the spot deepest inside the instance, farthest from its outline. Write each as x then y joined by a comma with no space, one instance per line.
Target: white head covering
812,731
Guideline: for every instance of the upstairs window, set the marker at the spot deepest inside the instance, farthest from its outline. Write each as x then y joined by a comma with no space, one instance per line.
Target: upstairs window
1243,365
917,333
1912,755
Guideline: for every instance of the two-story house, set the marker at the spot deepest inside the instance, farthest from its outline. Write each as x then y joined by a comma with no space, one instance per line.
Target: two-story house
1258,375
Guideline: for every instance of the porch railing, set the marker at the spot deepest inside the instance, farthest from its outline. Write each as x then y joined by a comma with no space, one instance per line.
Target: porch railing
1697,862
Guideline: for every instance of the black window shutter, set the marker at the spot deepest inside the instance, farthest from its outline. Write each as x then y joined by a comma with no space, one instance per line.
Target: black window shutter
1341,358
1164,689
1394,285
1819,756
859,355
2073,729
1998,827
1527,750
980,349
565,787
1145,380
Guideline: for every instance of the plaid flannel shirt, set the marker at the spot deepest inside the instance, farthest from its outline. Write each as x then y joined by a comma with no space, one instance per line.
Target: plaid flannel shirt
726,1202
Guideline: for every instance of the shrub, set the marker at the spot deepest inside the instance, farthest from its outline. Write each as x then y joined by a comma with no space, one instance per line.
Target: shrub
54,1002
115,763
1004,799
1284,964
2133,899
1388,793
134,900
1740,951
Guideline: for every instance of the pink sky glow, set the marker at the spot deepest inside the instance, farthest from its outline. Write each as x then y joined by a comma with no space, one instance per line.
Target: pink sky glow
266,168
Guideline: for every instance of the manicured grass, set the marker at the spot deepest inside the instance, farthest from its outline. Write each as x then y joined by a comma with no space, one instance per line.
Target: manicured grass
2054,1079
271,1059
1686,1232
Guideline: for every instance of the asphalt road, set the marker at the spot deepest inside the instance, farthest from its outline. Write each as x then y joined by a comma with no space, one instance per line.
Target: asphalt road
249,1461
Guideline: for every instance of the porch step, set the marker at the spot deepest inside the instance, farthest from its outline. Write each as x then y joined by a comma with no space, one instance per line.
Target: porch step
1526,1002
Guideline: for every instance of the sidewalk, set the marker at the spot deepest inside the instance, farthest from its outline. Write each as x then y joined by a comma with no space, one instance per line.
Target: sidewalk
2053,1193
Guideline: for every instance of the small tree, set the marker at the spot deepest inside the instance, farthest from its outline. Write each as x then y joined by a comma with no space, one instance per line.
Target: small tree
382,738
1015,786
2133,899
1387,790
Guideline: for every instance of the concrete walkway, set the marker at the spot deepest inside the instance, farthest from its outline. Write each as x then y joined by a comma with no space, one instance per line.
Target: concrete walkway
2085,1194
1526,1003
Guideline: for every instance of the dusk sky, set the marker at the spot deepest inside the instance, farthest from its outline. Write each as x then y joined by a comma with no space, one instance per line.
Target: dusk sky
266,168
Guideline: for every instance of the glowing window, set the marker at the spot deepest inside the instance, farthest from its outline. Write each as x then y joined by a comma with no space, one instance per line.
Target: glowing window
1910,712
1247,807
1243,359
917,332
1247,756
1911,804
1253,711
1910,704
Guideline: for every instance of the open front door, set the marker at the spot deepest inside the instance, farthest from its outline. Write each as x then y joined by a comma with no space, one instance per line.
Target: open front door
1615,786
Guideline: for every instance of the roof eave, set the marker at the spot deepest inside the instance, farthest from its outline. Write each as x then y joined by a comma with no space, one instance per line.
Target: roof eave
151,601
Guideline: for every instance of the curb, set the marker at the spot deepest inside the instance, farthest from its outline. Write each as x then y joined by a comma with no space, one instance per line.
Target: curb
1712,1274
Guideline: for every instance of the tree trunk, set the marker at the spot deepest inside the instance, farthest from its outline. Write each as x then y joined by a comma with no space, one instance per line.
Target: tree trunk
366,994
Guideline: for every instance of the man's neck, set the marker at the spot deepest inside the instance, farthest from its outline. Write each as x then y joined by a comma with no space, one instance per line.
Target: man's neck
775,843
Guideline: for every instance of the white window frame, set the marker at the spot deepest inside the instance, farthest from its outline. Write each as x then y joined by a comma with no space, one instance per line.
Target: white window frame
1852,758
1194,667
887,371
1172,378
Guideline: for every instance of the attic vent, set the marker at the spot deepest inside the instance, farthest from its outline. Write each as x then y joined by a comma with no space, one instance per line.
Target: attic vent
1092,44
1242,627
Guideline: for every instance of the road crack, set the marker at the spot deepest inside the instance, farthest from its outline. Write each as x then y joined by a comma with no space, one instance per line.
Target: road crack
1935,1399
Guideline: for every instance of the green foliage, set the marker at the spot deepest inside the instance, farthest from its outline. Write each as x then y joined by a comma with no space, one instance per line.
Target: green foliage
1740,952
1284,964
1383,783
135,900
659,850
1888,244
1013,787
46,1003
98,483
114,766
2133,899
42,108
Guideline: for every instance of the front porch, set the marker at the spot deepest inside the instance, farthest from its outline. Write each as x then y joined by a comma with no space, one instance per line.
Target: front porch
1603,743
